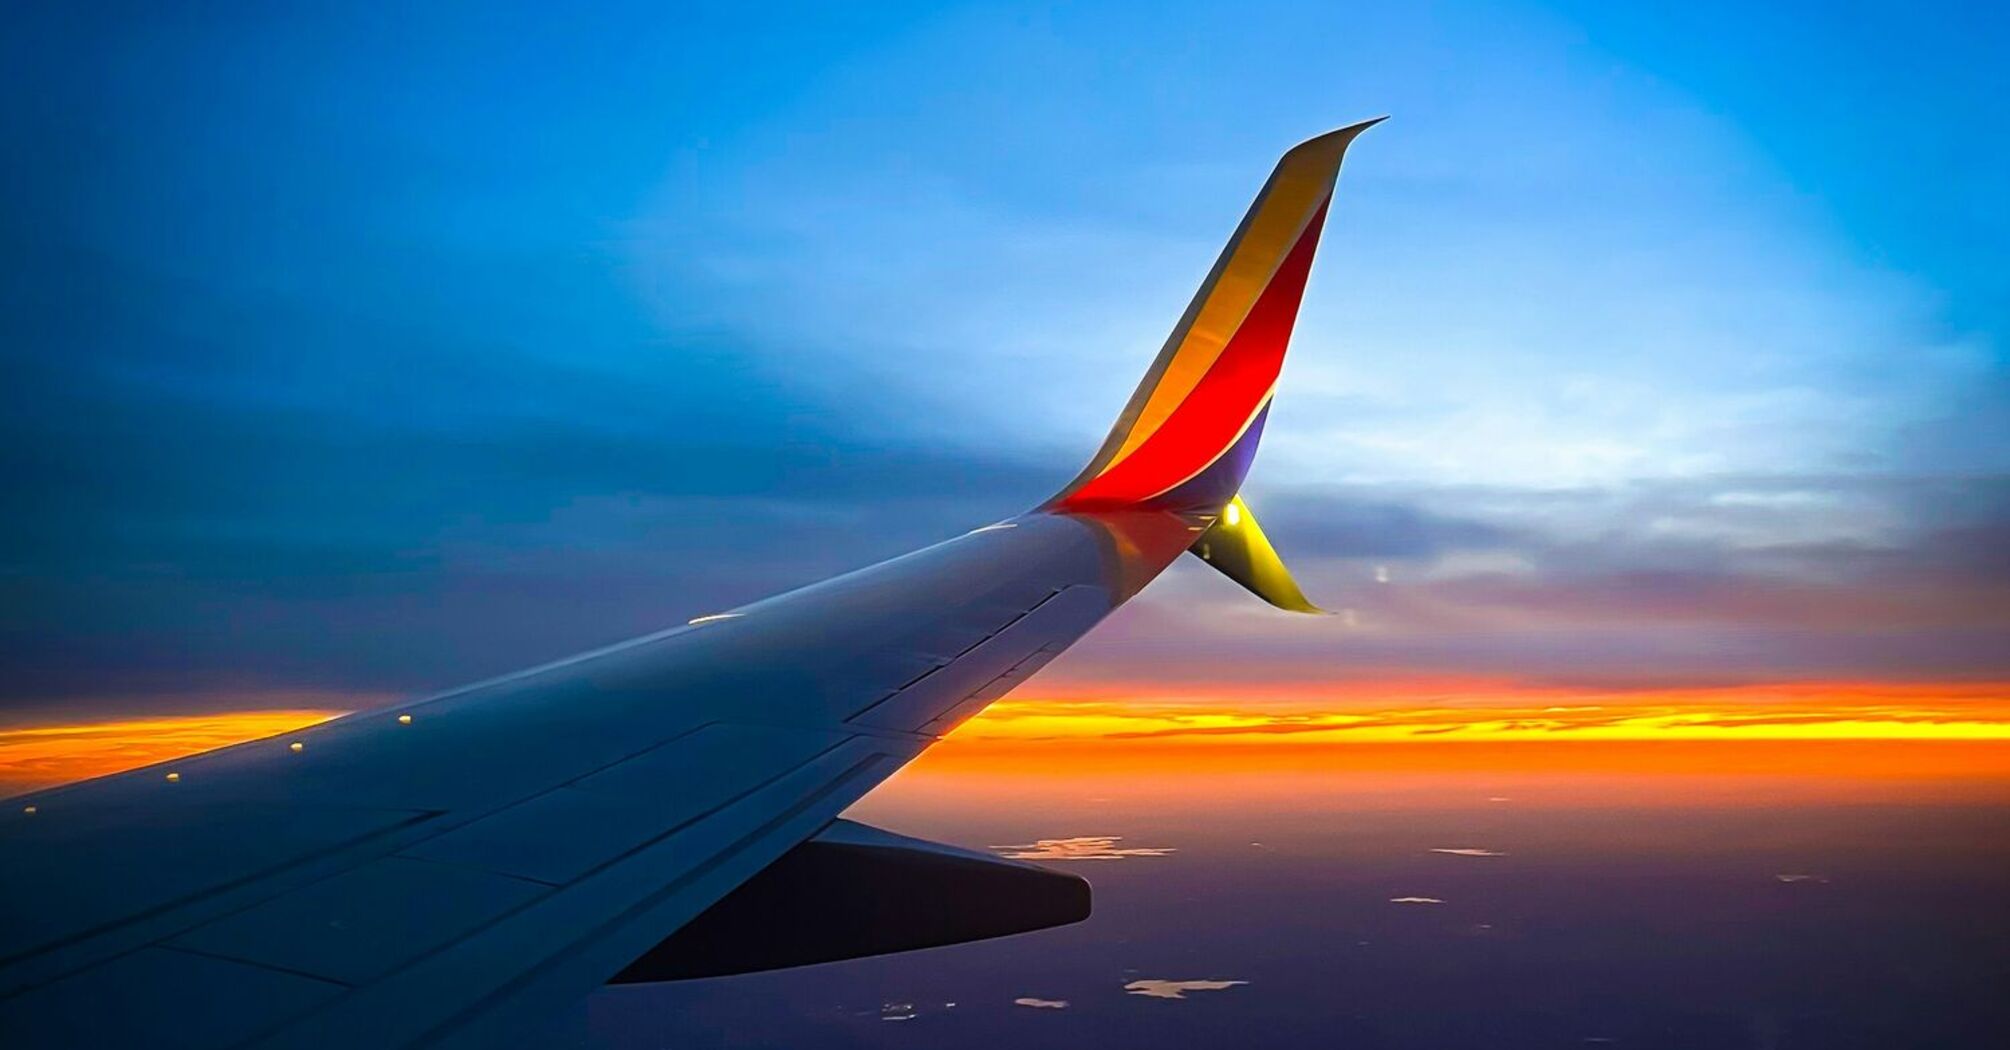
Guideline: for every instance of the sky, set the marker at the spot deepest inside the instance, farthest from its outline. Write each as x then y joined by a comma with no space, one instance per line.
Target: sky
1654,361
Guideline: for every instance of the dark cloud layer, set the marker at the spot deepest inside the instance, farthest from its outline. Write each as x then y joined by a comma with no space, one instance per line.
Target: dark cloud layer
1880,578
218,493
214,489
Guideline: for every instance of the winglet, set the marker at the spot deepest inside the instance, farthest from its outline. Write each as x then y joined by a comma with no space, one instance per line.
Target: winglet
1236,545
1186,438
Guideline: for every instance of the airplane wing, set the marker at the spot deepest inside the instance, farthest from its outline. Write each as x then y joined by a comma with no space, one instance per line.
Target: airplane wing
450,871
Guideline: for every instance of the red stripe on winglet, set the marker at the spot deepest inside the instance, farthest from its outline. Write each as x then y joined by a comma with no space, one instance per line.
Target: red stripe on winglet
1207,422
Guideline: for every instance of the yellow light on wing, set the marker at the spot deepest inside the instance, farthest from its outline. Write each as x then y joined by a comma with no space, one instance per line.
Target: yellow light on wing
1236,546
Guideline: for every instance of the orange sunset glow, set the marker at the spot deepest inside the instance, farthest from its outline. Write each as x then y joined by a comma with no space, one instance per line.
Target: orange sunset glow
39,756
1465,710
1871,729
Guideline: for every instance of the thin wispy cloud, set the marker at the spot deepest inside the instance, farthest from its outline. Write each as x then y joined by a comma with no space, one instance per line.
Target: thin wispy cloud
1163,989
1082,847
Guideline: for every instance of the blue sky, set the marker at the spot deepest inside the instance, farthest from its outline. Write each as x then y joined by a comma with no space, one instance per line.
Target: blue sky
356,354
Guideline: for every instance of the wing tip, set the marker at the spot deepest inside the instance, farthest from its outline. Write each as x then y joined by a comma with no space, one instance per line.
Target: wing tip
1338,136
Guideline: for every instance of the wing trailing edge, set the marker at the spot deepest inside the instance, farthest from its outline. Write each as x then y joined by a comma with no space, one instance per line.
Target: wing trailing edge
855,891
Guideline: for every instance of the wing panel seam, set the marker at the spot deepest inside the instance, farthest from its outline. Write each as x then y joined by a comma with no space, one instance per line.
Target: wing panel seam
642,907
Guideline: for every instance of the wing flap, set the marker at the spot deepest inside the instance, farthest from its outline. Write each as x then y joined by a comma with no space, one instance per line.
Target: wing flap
68,871
160,997
366,922
1064,613
563,834
508,978
854,891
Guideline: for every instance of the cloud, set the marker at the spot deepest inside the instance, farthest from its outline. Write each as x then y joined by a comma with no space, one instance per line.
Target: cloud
1162,989
1042,1004
229,519
1415,900
1732,579
1086,847
1465,851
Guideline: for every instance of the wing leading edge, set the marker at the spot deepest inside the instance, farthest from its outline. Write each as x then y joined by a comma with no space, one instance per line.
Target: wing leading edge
448,871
